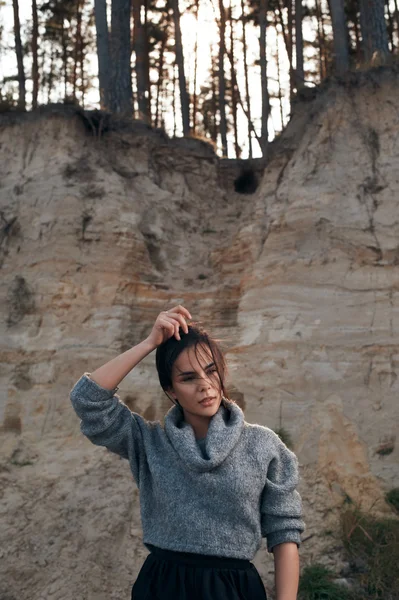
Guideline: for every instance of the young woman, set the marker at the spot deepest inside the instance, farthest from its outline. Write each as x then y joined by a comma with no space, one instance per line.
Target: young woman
211,485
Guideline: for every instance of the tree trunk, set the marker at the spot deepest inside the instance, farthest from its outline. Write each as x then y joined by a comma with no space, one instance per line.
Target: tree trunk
263,75
287,37
78,44
320,39
100,13
280,95
35,62
161,71
82,37
291,47
20,61
121,82
340,33
194,117
233,84
214,133
147,63
160,76
374,29
222,80
184,99
299,71
139,44
64,44
247,96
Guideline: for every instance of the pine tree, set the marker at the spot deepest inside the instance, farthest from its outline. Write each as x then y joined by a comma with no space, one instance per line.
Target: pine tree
184,98
121,82
140,46
340,31
263,75
35,62
100,11
374,29
247,95
19,53
299,68
221,78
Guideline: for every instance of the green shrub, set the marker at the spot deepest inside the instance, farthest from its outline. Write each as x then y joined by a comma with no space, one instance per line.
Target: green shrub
373,543
316,583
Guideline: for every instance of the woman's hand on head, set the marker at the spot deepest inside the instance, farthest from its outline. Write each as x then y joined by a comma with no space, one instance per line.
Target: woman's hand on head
167,324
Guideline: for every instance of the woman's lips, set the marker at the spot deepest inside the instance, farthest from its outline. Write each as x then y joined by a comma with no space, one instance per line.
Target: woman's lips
207,401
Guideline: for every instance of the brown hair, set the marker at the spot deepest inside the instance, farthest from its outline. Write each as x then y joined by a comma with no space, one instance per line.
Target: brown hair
167,353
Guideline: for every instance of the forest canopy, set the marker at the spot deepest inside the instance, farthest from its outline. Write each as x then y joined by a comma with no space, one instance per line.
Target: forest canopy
223,70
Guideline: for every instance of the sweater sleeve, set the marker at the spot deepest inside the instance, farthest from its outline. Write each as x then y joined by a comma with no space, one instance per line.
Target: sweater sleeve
106,421
281,504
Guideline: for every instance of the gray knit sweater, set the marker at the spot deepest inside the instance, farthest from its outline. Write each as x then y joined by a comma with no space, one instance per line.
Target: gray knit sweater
218,503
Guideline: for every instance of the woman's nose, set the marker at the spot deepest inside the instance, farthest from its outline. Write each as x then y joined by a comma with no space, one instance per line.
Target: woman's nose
206,380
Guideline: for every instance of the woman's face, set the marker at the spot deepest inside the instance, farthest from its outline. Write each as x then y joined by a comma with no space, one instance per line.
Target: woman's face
195,379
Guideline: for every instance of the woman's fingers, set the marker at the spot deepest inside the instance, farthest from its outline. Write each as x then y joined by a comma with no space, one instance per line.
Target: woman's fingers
174,318
181,321
179,309
167,324
173,325
179,318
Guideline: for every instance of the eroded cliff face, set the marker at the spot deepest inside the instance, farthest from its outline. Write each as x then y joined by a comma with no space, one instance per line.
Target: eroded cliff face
300,279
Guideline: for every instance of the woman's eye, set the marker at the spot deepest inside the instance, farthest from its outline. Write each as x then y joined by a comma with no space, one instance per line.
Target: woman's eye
209,371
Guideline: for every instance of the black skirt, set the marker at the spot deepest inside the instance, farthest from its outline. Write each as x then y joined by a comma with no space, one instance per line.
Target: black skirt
170,575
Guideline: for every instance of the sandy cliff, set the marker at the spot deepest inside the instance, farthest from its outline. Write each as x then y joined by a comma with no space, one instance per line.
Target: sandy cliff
300,279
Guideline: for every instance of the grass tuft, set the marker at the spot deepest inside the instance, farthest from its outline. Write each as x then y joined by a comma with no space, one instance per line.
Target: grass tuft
316,583
373,543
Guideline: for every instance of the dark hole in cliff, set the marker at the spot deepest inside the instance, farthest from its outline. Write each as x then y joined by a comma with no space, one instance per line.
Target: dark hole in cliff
246,182
97,121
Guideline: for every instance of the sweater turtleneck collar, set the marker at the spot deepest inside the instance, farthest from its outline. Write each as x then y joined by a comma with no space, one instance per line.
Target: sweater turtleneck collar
224,430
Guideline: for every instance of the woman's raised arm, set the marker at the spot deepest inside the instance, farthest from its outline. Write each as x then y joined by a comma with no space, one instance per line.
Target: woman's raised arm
105,420
111,374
